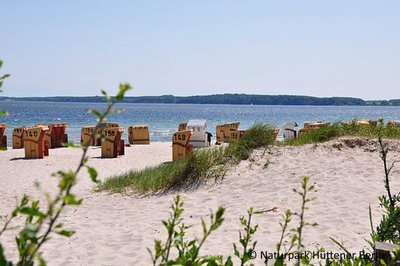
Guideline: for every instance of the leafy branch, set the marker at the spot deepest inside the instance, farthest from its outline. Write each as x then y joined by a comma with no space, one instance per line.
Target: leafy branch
383,152
389,226
298,237
246,239
188,251
2,78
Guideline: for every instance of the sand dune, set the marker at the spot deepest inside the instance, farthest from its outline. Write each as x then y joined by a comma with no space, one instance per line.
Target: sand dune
114,229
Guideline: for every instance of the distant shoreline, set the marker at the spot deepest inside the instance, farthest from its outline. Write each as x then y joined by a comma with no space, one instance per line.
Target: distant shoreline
231,99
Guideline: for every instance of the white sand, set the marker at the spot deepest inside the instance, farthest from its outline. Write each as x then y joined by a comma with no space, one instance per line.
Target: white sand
116,229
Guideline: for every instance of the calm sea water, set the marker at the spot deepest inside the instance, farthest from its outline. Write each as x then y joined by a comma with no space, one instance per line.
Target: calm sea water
164,118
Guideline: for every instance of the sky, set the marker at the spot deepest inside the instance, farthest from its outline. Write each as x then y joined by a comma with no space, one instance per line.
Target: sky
319,48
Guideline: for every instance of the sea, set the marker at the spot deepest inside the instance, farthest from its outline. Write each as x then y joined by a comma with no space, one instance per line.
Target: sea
163,119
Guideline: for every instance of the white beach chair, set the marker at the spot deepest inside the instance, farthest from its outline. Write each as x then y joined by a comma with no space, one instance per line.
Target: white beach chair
289,131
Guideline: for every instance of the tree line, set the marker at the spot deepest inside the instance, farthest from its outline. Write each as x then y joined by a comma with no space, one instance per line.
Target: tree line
229,98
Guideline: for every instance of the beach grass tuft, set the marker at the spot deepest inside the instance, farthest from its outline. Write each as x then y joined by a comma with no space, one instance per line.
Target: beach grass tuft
258,136
202,165
320,135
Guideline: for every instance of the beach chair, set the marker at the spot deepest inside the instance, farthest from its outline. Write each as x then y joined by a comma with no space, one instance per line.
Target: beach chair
182,126
198,127
236,135
112,145
312,126
393,123
364,121
289,130
3,137
181,146
101,128
139,134
18,138
88,131
86,136
224,132
35,145
56,136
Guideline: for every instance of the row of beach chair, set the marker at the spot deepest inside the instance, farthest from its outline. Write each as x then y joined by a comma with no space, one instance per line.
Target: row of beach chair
38,139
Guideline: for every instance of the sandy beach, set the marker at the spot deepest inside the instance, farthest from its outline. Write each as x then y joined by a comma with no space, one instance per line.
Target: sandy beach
115,229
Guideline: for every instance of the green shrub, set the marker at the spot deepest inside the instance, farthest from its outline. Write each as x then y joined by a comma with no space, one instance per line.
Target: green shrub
388,229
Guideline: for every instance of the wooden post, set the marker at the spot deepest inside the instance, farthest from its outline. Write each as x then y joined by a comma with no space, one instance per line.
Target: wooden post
382,252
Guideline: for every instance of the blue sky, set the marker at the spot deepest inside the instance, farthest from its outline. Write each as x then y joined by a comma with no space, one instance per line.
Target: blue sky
318,48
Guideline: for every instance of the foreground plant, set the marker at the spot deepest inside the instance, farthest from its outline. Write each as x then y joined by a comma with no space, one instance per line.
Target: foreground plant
298,237
389,228
246,239
187,250
42,222
296,247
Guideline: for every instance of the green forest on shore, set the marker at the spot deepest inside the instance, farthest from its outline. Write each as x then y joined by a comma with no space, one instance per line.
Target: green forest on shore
244,99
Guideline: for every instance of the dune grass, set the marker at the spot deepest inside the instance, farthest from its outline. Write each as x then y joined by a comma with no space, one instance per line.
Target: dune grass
258,136
320,135
208,163
201,165
340,130
370,131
